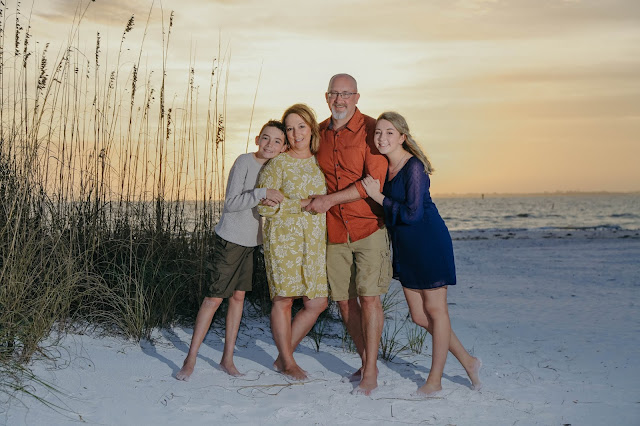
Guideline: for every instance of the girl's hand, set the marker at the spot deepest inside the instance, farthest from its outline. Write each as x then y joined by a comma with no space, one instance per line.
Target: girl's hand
274,195
372,186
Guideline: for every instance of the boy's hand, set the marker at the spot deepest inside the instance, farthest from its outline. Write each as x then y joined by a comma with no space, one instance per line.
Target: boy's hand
275,196
268,202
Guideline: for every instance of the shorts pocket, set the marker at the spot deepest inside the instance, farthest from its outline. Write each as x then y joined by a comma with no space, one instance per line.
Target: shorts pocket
385,269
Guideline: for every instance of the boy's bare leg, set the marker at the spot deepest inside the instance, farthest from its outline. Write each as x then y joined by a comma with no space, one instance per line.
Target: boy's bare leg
470,363
234,316
203,321
372,323
281,330
303,323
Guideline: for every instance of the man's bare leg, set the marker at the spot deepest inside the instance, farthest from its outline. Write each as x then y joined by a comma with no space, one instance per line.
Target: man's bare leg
470,363
281,330
351,317
203,321
303,323
372,323
435,305
234,316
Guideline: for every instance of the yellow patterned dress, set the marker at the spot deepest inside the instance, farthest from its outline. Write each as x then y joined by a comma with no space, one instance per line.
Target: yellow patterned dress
295,241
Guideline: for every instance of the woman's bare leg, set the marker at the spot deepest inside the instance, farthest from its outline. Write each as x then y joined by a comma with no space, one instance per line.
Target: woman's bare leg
435,305
281,330
303,322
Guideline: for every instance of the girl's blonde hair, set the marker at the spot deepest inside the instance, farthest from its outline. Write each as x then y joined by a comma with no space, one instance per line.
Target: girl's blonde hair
308,116
409,144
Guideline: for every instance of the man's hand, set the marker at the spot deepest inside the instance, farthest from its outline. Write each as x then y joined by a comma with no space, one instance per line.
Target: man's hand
319,204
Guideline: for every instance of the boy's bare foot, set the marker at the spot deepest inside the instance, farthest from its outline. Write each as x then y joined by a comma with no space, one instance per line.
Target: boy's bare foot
367,386
230,368
186,370
474,374
429,390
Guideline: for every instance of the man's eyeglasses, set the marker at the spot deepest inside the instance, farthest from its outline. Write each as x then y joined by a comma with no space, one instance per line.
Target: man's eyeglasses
343,95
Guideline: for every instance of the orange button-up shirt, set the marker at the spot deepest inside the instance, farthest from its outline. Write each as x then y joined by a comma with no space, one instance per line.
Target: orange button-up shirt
346,156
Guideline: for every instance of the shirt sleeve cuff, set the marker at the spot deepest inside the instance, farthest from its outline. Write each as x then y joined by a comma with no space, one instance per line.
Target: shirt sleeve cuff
361,190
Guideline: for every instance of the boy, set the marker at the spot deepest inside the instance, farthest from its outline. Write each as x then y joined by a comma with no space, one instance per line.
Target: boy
237,234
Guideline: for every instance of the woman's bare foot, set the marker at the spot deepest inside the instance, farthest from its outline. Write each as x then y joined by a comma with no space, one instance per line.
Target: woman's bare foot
230,368
186,370
429,390
474,373
354,377
367,386
295,373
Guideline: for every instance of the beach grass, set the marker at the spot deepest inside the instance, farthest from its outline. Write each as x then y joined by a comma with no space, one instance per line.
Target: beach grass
110,187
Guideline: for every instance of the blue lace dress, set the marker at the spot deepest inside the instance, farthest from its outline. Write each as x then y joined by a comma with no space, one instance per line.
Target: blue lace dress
422,248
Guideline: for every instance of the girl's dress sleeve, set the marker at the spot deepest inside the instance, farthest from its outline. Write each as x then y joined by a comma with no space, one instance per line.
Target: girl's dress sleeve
272,176
411,209
237,197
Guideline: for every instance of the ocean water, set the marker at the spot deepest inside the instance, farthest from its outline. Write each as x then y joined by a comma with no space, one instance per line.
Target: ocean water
540,212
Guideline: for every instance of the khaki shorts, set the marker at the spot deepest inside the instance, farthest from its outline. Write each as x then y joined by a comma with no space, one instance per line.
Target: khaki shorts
360,268
229,269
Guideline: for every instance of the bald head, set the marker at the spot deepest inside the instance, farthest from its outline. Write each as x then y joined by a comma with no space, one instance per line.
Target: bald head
344,79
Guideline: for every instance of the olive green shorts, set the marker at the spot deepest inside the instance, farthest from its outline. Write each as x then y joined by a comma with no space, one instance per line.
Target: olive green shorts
230,268
359,268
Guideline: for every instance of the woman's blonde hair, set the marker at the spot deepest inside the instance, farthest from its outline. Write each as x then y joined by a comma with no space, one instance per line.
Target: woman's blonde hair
308,116
409,144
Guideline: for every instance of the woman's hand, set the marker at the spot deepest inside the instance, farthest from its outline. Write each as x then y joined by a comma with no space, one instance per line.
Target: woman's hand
274,196
372,186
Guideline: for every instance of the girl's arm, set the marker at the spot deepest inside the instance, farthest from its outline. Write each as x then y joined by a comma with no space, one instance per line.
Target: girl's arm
411,210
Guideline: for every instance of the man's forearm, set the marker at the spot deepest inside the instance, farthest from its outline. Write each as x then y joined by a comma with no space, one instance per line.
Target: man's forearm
347,195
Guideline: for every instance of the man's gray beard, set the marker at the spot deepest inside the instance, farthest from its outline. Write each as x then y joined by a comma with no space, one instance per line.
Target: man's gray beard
338,115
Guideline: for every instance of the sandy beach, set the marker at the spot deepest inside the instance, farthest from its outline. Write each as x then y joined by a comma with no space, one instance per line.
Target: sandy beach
553,316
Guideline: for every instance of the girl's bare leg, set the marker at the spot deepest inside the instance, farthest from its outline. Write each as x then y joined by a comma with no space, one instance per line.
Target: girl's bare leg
469,363
435,306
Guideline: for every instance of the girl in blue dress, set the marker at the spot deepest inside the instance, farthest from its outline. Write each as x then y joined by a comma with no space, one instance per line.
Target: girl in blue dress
422,250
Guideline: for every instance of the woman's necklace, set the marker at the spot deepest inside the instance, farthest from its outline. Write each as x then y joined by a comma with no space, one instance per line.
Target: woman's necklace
394,170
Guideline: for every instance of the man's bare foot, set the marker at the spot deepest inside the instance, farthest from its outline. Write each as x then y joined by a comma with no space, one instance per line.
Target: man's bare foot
367,386
186,370
356,377
230,368
474,374
429,390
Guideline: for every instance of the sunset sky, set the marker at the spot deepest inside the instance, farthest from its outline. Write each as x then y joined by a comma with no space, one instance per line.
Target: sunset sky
504,96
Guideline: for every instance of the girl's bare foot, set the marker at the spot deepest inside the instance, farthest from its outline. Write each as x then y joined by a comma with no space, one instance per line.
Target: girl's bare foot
230,368
474,373
429,390
186,370
354,377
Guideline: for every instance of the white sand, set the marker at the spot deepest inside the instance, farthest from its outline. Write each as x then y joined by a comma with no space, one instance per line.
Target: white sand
553,317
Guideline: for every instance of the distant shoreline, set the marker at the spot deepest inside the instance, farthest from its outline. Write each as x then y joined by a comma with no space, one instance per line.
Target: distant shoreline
530,194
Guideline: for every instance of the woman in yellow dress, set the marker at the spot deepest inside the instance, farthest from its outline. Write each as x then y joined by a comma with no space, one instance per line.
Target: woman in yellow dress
294,239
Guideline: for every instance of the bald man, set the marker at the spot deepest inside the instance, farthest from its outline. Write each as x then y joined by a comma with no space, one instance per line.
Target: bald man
358,254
